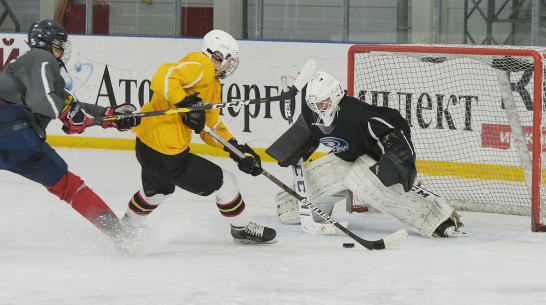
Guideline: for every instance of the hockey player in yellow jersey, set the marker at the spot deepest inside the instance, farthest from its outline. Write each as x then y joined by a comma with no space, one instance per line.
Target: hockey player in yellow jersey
162,144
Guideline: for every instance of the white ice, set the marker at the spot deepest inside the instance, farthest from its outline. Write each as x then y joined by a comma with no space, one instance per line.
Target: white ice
49,254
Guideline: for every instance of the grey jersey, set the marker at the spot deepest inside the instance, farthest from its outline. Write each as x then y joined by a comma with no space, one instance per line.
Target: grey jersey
34,82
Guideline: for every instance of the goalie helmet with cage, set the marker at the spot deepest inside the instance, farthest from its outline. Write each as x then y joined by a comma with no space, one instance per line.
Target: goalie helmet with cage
224,48
49,35
323,95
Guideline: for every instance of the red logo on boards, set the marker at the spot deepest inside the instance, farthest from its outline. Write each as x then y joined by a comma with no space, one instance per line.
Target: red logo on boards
500,136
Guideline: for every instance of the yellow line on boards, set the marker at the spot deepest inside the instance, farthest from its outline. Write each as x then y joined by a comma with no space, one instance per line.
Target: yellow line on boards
470,170
429,167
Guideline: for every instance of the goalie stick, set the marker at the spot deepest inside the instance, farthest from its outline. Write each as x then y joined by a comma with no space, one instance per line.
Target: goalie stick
308,224
384,243
304,76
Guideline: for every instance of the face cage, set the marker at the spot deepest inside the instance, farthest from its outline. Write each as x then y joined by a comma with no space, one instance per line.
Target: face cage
66,47
234,62
323,117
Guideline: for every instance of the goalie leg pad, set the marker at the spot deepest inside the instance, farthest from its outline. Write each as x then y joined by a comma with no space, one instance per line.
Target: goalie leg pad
324,178
289,214
287,208
423,214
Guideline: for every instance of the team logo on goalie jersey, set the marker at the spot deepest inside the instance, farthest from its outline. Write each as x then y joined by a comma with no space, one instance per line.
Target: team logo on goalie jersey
337,145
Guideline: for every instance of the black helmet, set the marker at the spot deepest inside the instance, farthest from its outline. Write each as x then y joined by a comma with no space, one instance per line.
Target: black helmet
42,34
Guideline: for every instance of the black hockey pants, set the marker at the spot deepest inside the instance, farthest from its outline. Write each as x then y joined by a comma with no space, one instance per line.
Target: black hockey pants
161,173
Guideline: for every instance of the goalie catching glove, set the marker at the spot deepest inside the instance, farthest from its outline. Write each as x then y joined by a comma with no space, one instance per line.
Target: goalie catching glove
251,164
396,165
121,124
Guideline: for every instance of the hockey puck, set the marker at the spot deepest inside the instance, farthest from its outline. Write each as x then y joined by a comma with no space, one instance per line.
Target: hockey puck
348,245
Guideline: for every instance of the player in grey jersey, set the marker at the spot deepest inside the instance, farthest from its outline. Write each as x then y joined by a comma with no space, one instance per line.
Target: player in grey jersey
372,155
32,93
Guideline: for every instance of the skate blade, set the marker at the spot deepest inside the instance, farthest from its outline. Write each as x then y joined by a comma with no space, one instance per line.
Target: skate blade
253,242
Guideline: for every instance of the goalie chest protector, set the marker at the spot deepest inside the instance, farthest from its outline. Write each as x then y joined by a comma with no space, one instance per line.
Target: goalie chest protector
297,142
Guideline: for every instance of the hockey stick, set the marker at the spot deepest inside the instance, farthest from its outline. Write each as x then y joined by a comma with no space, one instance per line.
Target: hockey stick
387,242
308,224
305,75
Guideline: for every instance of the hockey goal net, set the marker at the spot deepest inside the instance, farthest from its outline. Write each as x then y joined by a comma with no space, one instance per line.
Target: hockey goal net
476,115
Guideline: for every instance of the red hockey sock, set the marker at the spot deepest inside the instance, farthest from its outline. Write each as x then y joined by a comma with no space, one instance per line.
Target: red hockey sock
73,190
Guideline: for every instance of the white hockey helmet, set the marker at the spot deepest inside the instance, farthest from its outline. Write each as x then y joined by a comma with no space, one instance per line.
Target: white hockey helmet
323,95
218,42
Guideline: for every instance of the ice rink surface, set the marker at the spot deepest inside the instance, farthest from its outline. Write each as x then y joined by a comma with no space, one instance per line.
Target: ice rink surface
49,254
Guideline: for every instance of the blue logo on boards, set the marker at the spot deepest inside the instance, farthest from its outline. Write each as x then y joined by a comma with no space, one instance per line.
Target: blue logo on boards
337,145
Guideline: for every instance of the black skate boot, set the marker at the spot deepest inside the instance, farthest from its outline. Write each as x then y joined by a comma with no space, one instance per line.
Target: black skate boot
253,234
451,227
111,226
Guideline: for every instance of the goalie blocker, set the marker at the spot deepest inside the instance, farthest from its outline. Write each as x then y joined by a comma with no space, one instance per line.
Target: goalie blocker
294,144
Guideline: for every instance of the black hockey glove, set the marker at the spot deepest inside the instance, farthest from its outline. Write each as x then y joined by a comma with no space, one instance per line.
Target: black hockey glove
121,124
251,164
396,165
73,117
190,101
195,120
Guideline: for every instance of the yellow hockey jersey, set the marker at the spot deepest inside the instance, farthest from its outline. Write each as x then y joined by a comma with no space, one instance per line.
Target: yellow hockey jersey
171,83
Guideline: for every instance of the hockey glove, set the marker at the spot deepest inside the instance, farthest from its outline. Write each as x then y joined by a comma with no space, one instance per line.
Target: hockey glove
251,164
391,170
190,101
397,164
121,124
195,120
73,117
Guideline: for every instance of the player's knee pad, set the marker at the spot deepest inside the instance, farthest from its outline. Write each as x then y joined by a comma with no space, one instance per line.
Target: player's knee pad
423,215
143,205
228,199
229,188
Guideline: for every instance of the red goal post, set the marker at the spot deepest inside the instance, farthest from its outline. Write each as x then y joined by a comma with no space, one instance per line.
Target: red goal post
476,115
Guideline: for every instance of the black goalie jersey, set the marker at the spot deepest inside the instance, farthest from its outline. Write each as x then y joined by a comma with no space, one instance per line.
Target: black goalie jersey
356,129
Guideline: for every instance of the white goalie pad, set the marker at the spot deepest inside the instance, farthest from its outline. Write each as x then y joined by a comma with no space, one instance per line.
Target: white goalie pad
288,212
422,212
325,178
287,208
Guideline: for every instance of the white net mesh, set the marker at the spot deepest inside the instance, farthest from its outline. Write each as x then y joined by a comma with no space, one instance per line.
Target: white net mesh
471,114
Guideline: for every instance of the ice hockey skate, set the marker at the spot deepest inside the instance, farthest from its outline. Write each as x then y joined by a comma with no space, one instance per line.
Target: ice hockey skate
132,235
118,231
111,226
253,234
